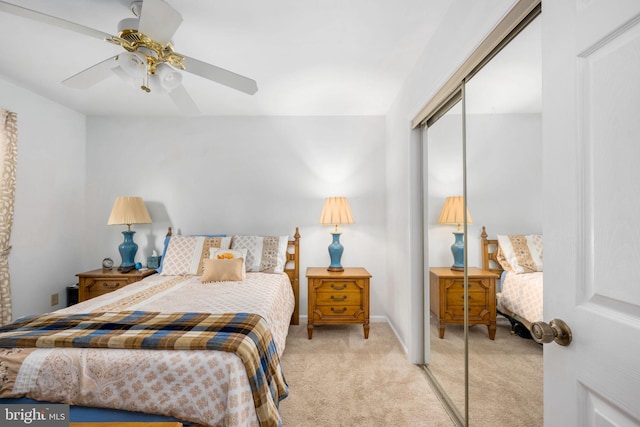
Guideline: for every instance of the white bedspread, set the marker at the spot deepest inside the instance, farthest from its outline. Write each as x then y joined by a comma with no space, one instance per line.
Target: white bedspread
206,387
522,295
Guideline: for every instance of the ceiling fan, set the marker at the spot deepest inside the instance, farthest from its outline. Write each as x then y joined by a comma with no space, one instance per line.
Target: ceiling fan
149,59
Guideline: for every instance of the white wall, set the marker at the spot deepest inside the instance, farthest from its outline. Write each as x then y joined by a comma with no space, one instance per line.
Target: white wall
244,175
48,235
463,28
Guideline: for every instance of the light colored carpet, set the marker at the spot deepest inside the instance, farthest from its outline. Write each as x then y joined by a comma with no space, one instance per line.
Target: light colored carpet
340,379
505,375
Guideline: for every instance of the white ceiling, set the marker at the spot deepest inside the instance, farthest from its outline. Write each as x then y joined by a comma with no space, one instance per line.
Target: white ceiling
309,57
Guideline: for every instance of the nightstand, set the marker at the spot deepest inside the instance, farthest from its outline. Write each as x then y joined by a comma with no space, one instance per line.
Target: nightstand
446,291
102,281
338,297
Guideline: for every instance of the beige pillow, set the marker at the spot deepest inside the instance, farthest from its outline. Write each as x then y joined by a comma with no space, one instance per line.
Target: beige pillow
222,270
215,253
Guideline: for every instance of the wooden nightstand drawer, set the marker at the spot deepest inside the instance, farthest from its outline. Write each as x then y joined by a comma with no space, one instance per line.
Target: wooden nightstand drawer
338,286
477,294
338,297
476,313
99,287
332,311
94,283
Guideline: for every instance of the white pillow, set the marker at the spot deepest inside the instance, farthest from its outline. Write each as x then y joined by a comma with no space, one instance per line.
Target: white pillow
267,254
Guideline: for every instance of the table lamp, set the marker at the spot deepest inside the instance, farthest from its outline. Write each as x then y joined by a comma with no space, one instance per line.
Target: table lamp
127,211
336,211
453,213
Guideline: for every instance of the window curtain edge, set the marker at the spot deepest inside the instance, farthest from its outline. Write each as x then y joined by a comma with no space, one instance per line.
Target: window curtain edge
8,158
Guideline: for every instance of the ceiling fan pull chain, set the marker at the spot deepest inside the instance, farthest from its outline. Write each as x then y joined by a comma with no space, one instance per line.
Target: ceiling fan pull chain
145,83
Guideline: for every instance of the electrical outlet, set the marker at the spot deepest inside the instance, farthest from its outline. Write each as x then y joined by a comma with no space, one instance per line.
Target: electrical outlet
54,299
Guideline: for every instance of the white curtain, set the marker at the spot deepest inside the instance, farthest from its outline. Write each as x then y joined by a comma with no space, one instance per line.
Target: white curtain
8,155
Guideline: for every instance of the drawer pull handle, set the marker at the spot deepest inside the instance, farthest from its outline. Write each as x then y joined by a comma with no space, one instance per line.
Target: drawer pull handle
344,286
341,310
340,299
108,286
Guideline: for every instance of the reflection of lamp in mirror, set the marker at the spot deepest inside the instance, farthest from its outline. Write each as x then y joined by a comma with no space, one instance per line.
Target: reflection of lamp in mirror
453,213
336,211
127,211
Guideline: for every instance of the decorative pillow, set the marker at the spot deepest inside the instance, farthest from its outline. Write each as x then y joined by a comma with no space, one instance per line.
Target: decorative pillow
167,239
225,254
267,254
520,253
223,270
184,254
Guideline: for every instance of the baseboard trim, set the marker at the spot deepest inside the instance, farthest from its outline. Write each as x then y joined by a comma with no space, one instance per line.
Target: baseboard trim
372,319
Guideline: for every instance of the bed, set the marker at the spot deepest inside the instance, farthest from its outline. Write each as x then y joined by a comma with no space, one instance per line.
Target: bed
519,293
199,342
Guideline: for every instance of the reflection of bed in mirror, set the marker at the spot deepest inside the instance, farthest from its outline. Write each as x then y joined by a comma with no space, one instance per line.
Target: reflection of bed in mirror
518,261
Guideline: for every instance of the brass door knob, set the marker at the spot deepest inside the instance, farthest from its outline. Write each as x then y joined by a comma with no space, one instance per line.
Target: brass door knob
556,330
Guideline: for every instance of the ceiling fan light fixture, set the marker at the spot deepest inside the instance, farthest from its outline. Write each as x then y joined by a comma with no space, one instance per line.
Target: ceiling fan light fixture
169,77
155,84
134,64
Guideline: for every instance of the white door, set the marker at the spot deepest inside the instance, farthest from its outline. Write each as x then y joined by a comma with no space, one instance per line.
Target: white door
591,134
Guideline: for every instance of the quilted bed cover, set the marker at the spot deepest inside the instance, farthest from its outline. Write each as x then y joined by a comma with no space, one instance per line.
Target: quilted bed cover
522,295
206,387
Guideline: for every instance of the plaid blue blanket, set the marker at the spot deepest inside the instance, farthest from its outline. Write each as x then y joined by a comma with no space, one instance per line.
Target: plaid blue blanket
244,334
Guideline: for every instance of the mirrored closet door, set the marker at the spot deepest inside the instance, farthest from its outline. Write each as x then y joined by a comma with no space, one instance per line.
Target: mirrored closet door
482,140
504,183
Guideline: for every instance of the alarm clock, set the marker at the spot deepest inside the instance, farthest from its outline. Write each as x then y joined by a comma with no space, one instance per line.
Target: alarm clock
107,264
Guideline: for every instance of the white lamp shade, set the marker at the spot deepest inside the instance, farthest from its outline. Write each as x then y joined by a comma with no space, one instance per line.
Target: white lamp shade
129,210
453,211
336,211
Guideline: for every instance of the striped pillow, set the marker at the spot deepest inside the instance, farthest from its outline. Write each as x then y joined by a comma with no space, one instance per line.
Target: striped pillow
267,254
520,253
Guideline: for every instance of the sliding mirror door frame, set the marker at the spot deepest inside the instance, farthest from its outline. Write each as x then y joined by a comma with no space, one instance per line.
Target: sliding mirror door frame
524,12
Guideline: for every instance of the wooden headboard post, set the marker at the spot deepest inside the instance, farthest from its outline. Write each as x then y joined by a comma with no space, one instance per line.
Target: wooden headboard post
489,253
294,273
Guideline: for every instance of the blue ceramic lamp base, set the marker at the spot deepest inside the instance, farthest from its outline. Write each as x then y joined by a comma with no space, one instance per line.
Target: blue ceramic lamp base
457,249
128,250
335,253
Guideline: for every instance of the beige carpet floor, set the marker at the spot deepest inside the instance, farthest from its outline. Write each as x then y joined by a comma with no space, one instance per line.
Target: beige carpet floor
505,375
340,379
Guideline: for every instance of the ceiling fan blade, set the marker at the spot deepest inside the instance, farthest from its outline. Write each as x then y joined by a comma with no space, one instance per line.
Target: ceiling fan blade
220,75
183,100
92,75
159,21
51,20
